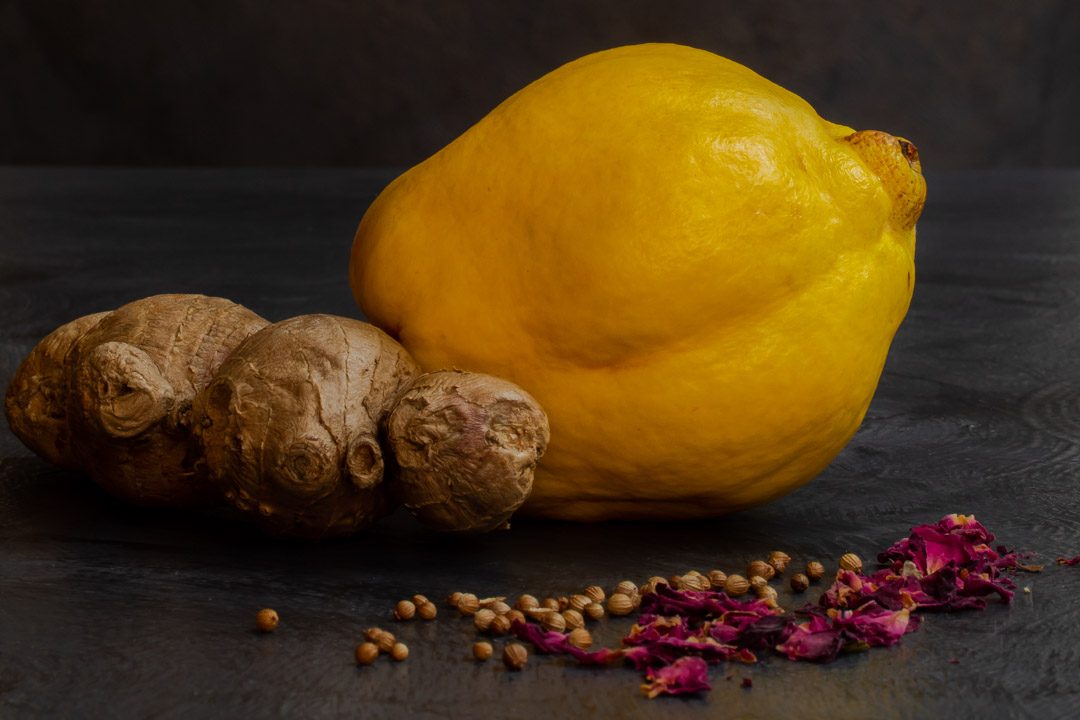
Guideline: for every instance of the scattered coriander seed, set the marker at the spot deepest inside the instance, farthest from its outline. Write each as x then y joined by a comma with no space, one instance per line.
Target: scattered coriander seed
815,570
799,582
419,600
404,610
626,588
386,642
366,652
500,625
766,591
757,583
1027,589
489,601
374,633
526,602
427,611
399,652
736,585
482,650
595,593
620,604
636,599
549,603
468,604
564,603
266,620
538,614
851,562
762,568
499,607
515,656
580,638
594,611
717,578
578,602
554,621
573,619
779,560
515,615
453,599
482,619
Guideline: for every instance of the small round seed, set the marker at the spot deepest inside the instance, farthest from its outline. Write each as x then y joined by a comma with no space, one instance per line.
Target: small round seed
626,588
453,599
554,621
595,593
366,652
580,638
760,568
404,610
851,562
736,585
620,604
594,611
815,570
482,650
573,619
500,625
526,602
799,582
579,602
717,578
427,611
468,604
515,656
266,620
483,618
399,652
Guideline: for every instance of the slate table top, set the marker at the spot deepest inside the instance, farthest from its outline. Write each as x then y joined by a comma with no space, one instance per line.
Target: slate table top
108,611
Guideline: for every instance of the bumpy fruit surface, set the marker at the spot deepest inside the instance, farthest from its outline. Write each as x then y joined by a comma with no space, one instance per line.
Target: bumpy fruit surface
696,275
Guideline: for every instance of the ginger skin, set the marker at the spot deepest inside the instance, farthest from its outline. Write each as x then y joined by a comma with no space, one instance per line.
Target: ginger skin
466,445
289,426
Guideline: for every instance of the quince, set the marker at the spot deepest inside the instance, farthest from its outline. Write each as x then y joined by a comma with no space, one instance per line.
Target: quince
696,275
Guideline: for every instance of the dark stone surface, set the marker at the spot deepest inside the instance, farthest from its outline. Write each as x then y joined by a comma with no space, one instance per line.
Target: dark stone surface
388,82
107,611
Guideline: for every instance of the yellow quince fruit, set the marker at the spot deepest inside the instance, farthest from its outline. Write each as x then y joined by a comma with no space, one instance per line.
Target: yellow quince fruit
696,275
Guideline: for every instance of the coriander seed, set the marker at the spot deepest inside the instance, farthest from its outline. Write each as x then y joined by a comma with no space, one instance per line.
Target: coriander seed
594,611
482,619
779,560
626,588
692,582
799,582
760,568
578,602
573,619
515,616
399,652
500,625
266,620
549,604
453,599
374,633
499,607
620,604
419,600
736,585
468,604
757,582
482,650
564,603
526,602
515,656
580,638
595,593
554,621
427,611
366,653
386,642
851,561
717,578
404,610
815,570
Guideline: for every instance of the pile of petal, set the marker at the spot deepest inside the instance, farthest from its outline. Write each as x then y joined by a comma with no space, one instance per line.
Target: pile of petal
946,566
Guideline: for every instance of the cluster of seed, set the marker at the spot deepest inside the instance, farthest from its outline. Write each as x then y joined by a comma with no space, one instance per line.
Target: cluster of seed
419,606
378,641
494,616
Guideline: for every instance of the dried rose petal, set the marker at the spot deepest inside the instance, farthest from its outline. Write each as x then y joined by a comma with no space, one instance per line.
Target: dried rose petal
684,676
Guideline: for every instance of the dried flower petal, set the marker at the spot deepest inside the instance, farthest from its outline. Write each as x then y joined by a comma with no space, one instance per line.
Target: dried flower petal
684,676
1069,561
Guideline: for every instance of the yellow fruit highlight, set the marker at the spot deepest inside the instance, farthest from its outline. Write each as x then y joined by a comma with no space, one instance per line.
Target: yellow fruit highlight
696,276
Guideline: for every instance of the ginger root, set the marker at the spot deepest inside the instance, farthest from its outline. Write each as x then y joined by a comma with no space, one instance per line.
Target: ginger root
466,446
289,426
110,393
181,400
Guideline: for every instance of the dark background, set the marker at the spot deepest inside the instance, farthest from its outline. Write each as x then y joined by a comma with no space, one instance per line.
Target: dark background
386,82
